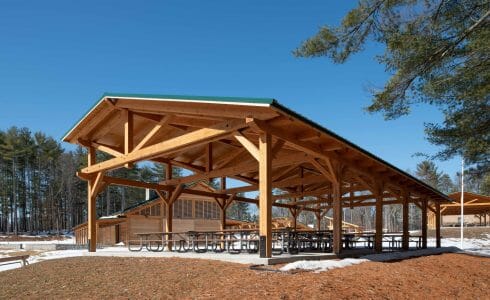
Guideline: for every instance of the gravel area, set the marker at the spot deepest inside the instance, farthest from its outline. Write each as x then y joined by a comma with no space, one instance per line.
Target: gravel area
439,276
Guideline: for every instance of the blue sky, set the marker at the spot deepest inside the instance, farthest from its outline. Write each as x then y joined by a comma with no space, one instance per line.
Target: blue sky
58,57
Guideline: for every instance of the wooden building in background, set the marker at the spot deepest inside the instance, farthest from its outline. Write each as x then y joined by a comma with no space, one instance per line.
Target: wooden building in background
476,211
190,212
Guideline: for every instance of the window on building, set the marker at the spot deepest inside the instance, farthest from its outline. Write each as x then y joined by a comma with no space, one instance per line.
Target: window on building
207,210
183,209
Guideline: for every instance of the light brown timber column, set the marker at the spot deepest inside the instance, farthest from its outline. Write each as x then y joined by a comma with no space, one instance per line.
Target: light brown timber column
224,204
128,135
438,224
169,211
168,224
424,223
223,217
265,195
294,214
91,209
337,216
405,237
318,216
378,239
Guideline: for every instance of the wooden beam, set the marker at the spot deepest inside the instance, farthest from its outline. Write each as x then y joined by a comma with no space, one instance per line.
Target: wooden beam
209,158
325,172
229,157
279,184
238,169
153,132
194,138
285,171
466,205
138,184
197,109
301,195
265,192
247,144
100,147
91,156
277,147
175,194
128,134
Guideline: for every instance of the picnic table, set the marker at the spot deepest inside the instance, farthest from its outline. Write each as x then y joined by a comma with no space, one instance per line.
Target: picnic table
235,241
395,240
156,241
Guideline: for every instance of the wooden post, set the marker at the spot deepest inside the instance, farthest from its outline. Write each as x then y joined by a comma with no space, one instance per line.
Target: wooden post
438,224
378,239
318,216
424,223
265,195
406,234
294,216
169,212
223,217
91,210
337,217
169,208
224,205
128,135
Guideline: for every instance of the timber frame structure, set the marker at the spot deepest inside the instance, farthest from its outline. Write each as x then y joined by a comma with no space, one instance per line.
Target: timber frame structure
257,141
473,204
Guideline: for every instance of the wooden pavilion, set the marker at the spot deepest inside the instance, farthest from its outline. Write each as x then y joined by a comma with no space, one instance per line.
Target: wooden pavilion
257,141
473,205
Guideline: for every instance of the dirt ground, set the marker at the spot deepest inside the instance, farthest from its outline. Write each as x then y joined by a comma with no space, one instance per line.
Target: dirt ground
442,276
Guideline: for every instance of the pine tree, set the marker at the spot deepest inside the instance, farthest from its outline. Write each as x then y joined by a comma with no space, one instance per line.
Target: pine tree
437,52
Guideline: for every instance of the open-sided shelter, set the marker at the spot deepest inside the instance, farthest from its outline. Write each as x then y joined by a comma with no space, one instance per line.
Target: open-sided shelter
474,205
257,141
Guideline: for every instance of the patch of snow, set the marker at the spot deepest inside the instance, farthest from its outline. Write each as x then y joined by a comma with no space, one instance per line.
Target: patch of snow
322,265
55,255
70,240
476,246
110,217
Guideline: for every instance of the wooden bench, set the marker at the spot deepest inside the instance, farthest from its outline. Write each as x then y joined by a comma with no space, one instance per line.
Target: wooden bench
22,259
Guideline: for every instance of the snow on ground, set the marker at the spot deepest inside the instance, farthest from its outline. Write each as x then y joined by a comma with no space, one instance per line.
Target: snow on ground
322,265
476,246
70,240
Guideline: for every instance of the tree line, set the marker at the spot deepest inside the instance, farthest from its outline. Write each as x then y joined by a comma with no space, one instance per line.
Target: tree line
39,189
